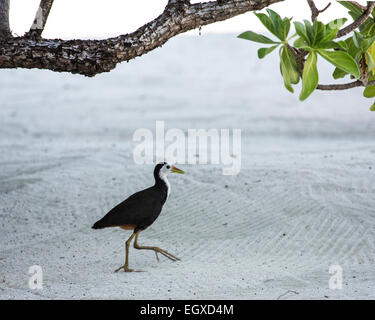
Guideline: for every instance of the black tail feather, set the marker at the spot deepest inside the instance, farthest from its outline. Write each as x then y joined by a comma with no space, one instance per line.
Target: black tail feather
98,225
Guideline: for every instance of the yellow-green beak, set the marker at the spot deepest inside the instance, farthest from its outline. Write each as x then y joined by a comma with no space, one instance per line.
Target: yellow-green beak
176,170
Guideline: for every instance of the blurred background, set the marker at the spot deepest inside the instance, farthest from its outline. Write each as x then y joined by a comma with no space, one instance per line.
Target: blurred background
114,17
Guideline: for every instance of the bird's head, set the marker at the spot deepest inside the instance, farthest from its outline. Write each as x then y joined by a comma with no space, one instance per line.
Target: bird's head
162,169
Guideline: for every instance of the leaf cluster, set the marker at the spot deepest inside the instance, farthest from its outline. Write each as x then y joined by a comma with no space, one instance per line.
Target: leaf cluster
353,57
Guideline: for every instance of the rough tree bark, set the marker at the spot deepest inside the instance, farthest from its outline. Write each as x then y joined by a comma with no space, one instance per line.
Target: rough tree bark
91,57
4,19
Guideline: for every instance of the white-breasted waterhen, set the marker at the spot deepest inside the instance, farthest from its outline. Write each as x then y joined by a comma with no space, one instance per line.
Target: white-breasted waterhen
140,210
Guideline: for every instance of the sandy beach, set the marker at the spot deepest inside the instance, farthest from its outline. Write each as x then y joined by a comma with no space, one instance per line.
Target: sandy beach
302,201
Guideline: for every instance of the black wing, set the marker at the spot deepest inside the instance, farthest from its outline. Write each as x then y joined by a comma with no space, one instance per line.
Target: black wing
139,209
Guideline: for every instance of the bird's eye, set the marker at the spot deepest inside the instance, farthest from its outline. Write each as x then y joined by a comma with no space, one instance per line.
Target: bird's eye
168,167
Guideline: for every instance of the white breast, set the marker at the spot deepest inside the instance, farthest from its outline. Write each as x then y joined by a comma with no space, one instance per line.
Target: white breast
165,179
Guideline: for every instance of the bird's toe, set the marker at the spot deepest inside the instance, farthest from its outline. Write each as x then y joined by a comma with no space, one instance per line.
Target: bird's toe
125,268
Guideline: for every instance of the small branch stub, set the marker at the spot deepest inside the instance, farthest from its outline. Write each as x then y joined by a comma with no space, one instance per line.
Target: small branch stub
4,19
40,19
314,10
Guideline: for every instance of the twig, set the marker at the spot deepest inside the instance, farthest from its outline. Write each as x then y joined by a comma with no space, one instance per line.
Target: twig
314,10
358,22
285,293
345,86
40,19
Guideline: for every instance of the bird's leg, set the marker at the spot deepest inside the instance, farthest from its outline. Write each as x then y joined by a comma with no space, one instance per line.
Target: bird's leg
126,265
155,249
156,255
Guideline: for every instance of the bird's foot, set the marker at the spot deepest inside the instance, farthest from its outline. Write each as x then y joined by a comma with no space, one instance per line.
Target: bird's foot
165,254
127,269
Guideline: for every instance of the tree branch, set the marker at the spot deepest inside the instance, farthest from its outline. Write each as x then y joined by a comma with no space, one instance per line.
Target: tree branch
345,86
91,57
359,21
314,10
40,20
4,19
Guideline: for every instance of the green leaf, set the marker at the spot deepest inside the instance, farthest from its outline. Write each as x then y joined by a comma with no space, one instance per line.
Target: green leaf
309,31
275,17
337,23
343,45
288,68
318,32
262,52
338,73
314,34
341,60
291,65
358,56
365,27
372,108
369,61
267,22
300,43
369,92
289,87
277,26
357,37
252,36
371,31
285,28
368,43
310,76
329,35
276,21
331,45
354,15
371,52
350,6
352,49
362,42
301,31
